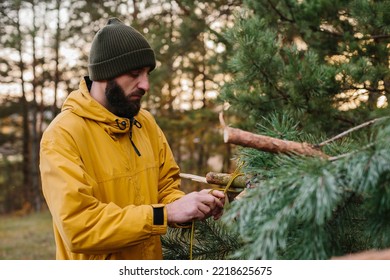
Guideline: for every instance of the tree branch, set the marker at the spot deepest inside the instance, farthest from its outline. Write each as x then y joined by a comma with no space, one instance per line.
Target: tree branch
194,178
282,17
236,189
378,37
366,255
266,143
224,178
350,130
215,178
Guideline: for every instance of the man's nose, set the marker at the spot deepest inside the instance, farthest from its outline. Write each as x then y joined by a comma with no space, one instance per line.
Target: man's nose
144,82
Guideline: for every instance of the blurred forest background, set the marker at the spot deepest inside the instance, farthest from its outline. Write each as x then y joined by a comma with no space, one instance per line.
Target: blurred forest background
299,70
43,55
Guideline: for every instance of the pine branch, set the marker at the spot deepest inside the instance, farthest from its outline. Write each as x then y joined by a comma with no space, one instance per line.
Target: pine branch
175,244
211,241
351,130
282,17
350,153
378,37
266,143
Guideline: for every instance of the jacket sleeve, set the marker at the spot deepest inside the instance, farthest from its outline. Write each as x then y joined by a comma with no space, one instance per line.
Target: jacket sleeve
86,224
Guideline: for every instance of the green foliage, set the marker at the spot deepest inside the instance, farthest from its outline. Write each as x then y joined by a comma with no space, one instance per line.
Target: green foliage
307,71
302,56
270,76
212,241
55,58
313,208
298,72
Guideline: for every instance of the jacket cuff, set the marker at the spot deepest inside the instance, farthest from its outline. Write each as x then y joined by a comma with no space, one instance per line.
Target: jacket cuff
158,215
159,219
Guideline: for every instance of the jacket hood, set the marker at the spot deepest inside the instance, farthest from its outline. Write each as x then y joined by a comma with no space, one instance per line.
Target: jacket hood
81,103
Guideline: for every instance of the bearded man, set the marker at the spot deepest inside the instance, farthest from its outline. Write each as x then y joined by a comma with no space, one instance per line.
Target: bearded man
108,174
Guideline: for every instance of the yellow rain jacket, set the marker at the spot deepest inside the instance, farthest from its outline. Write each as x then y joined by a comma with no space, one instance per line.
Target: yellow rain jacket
106,201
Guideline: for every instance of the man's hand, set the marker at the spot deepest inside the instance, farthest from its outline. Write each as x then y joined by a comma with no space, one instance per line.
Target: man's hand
196,206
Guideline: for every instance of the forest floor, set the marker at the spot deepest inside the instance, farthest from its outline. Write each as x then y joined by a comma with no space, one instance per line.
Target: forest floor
29,237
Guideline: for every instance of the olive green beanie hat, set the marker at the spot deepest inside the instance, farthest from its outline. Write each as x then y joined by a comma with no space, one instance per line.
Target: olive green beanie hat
118,49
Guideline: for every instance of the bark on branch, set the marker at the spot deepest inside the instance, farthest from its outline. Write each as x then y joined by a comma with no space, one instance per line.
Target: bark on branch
223,179
367,255
267,144
214,178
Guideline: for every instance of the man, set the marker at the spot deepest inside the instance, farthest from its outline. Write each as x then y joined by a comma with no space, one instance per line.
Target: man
108,175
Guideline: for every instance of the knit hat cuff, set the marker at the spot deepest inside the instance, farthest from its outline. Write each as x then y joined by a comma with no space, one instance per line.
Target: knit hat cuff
122,64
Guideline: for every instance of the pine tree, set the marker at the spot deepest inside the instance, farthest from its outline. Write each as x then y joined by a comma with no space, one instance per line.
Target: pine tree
324,62
315,208
306,71
310,207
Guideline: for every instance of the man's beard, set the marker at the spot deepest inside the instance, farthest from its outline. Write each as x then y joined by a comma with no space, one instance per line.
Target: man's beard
119,104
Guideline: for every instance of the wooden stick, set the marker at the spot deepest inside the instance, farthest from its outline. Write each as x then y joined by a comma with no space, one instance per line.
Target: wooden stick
192,177
366,255
224,178
266,143
221,179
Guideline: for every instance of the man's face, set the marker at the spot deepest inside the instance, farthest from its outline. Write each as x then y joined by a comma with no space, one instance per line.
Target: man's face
120,104
125,92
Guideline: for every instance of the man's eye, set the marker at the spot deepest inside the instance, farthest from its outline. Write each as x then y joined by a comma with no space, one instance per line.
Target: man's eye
135,74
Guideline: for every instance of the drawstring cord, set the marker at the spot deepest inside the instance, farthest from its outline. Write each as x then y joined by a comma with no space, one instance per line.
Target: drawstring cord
122,126
137,124
235,174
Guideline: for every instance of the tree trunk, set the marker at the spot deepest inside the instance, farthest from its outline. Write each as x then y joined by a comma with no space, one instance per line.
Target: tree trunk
57,57
135,11
27,194
35,179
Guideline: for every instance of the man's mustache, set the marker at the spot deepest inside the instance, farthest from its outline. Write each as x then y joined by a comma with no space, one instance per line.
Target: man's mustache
138,92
